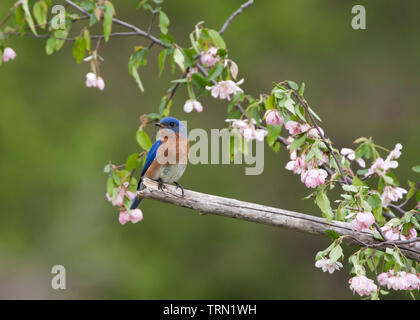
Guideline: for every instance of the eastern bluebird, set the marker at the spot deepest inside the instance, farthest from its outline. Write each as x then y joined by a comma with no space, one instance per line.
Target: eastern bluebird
167,158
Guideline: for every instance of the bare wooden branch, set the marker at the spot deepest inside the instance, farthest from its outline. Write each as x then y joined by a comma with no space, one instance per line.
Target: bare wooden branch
210,204
237,12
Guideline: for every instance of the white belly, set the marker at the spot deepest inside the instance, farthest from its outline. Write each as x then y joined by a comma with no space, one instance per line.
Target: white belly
170,173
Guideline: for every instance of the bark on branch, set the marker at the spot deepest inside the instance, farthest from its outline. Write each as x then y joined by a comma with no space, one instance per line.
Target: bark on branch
210,204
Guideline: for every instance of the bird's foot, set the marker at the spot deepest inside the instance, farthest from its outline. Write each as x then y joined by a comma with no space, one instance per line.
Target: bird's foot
161,185
179,186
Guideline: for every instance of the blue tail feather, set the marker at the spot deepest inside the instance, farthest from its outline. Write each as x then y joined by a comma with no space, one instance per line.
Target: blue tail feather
136,201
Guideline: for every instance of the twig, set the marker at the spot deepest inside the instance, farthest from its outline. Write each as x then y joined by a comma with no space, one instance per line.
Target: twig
17,4
137,30
236,13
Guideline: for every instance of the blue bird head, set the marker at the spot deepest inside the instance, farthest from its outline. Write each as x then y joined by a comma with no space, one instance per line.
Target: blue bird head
173,124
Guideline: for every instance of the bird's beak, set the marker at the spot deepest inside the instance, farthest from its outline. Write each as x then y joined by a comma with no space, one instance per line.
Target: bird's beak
157,124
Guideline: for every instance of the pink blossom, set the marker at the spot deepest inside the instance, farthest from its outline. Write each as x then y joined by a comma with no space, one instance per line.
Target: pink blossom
383,278
380,166
304,127
92,80
396,153
210,57
297,166
314,177
390,233
289,140
9,54
401,281
314,134
272,117
351,155
392,194
225,89
100,83
411,234
190,105
363,221
248,130
362,285
293,127
327,266
124,217
136,215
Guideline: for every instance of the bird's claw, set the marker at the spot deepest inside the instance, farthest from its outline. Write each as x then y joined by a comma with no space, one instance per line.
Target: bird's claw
161,185
179,186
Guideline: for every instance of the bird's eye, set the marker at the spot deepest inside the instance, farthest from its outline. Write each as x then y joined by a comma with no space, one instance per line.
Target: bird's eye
171,124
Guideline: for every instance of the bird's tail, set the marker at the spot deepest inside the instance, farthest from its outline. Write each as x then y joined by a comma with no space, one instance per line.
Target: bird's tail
136,201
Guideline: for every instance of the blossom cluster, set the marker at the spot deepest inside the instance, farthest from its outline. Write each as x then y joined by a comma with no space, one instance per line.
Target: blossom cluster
125,216
400,281
310,172
393,234
362,285
92,80
381,166
248,130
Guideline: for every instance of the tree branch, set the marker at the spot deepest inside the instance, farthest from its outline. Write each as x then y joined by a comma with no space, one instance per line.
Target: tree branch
236,13
209,204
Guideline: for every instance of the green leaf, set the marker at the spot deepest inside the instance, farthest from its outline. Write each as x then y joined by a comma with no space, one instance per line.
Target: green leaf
110,186
143,139
163,22
107,168
161,60
215,71
216,39
50,45
398,258
297,143
293,85
40,11
28,17
375,201
269,104
324,204
349,188
332,234
60,34
335,254
136,77
79,49
132,162
302,89
137,59
108,14
273,134
179,59
416,169
86,36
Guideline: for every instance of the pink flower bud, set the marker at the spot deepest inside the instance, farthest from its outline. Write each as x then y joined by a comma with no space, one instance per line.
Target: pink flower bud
124,217
100,83
363,221
272,117
136,215
9,54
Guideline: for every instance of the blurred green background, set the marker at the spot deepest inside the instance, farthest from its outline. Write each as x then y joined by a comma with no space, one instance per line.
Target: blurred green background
57,135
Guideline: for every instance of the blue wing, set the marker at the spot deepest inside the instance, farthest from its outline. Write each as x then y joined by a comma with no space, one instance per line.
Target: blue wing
151,155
